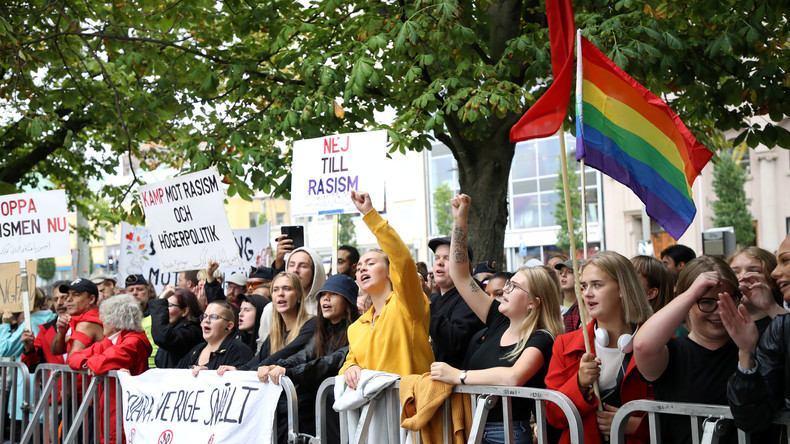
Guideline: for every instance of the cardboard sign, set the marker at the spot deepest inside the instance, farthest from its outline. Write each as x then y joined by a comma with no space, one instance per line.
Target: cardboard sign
327,169
33,226
11,285
172,406
188,223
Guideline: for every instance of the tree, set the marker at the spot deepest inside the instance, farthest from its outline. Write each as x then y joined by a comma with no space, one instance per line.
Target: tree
229,83
346,231
442,209
732,207
560,218
46,268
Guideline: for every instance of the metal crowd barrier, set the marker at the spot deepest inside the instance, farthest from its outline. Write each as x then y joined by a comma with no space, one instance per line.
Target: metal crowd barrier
9,396
73,419
483,400
710,414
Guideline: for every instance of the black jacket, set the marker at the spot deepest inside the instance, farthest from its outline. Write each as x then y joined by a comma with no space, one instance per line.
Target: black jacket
755,398
264,358
453,324
231,352
174,341
214,291
305,369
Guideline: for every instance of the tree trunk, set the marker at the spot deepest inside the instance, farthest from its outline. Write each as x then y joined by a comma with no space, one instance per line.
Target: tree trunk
483,172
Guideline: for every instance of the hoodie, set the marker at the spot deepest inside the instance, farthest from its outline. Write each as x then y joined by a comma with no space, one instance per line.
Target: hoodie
319,278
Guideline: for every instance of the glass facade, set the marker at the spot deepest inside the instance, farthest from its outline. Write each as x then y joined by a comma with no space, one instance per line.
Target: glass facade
534,174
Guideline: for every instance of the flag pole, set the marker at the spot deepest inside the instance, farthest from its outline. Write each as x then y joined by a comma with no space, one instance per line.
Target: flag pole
568,209
584,210
579,86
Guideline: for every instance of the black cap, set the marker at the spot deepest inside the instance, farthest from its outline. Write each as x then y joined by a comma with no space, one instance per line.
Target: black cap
79,286
261,273
485,267
568,263
434,243
135,279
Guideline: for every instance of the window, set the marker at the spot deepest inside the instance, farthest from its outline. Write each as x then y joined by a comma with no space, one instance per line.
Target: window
279,218
253,219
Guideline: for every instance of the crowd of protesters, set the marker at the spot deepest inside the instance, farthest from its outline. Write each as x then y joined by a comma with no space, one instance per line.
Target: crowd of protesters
695,329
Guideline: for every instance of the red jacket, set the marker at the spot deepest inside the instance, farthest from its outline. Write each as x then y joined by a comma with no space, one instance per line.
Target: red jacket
42,350
130,351
562,376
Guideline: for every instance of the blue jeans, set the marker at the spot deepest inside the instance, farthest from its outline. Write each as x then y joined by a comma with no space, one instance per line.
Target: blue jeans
494,433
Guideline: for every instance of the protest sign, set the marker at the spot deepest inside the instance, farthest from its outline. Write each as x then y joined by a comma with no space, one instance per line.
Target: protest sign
140,256
11,285
173,406
252,244
325,170
188,224
33,226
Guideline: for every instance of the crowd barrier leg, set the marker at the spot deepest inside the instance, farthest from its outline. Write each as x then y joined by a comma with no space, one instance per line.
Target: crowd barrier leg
10,374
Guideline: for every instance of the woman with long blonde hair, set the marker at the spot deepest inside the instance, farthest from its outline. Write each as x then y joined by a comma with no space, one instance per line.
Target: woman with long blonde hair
521,329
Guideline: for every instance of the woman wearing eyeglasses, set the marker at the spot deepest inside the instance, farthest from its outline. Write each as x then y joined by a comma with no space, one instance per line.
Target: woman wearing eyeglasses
222,347
692,368
175,325
521,329
616,301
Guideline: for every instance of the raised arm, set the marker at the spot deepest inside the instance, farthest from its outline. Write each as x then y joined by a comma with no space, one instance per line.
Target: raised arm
650,343
474,296
403,271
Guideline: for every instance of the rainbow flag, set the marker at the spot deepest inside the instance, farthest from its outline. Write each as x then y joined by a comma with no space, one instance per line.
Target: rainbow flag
630,134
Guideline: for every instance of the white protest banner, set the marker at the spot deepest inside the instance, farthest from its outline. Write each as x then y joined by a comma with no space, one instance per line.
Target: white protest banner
325,170
139,256
33,226
172,406
188,223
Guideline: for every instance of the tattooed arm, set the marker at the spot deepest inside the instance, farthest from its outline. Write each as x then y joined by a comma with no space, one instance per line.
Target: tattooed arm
474,296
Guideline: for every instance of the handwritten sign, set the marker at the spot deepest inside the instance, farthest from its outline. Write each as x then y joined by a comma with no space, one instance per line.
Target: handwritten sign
33,226
139,255
11,285
327,169
188,221
232,408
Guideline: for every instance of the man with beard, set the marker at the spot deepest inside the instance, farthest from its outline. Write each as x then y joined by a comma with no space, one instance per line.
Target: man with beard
138,287
38,349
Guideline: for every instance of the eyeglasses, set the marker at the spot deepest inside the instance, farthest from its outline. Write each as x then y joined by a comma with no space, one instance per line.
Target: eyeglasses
212,318
169,305
510,286
709,305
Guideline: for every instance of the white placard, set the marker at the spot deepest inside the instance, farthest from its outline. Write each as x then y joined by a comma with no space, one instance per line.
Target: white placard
172,406
188,223
33,226
326,169
139,255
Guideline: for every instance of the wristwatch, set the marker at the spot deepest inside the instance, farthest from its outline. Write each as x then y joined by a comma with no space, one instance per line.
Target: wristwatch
462,377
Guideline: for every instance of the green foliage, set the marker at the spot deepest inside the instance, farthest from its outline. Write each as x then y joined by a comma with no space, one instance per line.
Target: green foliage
84,85
442,209
46,268
346,234
262,219
560,216
732,207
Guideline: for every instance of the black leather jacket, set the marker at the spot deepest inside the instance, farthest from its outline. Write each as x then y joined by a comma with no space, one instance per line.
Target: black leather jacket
755,398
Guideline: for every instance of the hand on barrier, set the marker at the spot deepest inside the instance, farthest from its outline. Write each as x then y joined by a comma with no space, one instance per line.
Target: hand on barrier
351,375
263,373
441,371
275,372
225,368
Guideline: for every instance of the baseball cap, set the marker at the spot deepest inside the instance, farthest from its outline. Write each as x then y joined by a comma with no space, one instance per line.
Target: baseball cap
79,285
434,243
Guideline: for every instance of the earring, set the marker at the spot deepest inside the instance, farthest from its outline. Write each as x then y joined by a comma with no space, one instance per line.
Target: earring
227,329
